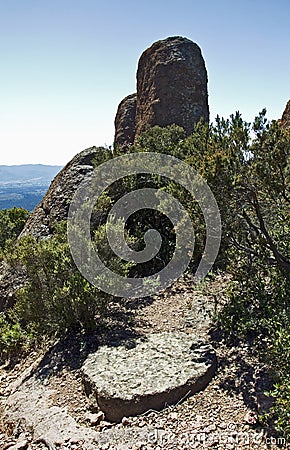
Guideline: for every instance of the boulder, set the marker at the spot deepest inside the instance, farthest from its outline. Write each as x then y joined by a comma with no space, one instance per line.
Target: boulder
147,373
125,122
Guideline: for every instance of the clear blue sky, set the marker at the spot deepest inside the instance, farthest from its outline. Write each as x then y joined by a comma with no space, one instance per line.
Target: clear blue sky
66,65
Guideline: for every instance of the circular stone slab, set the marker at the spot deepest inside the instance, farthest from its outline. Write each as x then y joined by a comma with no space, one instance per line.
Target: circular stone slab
147,373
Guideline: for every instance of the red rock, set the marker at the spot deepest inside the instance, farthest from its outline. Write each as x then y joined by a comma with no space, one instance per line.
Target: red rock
171,89
125,122
171,85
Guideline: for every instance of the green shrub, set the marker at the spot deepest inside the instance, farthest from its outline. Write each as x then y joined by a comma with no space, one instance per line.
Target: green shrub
12,222
12,338
258,303
280,412
56,297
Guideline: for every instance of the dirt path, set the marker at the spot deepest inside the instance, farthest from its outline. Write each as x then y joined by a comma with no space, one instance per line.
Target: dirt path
59,416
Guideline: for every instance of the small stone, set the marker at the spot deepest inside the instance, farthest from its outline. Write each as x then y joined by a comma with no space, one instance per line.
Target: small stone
196,424
126,421
9,443
141,423
105,424
95,419
250,418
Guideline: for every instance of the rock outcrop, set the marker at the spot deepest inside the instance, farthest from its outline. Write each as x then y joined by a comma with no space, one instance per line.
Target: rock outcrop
171,89
148,373
285,120
55,204
125,121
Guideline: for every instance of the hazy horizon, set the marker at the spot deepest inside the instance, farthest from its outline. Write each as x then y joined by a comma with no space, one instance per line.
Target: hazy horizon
30,164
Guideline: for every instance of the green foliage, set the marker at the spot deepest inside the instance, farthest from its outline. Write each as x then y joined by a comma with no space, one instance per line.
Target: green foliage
167,140
280,346
278,355
12,338
281,411
57,298
257,232
12,222
258,303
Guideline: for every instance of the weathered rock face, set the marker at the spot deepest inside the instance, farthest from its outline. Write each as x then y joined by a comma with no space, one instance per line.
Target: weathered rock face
171,89
55,204
171,85
285,121
148,374
125,122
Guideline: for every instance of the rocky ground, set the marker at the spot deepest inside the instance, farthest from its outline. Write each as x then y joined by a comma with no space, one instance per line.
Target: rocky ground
58,415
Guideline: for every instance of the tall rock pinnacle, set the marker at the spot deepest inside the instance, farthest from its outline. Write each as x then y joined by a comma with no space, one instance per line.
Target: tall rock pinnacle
171,85
171,89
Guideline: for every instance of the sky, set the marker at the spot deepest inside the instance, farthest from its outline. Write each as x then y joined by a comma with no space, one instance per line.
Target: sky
66,65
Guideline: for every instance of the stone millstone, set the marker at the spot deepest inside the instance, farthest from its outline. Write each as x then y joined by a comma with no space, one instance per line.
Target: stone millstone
147,373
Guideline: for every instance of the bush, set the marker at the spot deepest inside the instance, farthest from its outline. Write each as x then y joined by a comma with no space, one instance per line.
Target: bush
12,222
56,298
257,230
280,412
12,338
258,303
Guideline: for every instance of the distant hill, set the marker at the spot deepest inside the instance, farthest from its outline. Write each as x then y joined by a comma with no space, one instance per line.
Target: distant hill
34,173
25,185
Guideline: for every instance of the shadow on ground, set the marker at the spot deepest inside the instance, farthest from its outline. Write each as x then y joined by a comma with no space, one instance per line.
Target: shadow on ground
117,327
